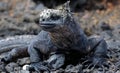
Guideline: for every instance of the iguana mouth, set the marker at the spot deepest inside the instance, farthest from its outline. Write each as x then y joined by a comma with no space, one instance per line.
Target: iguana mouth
47,25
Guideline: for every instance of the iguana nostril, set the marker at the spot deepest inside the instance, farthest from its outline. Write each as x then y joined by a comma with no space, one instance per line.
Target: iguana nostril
43,19
47,13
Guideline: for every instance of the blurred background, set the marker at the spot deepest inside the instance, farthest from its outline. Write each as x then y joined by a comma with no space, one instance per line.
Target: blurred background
101,17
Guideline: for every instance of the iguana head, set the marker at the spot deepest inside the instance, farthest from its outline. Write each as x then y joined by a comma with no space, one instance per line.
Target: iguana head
54,19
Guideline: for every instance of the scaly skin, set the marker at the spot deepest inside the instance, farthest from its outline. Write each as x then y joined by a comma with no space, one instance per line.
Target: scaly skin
9,43
62,35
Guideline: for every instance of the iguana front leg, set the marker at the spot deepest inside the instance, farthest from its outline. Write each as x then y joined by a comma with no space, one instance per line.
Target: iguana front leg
38,48
36,57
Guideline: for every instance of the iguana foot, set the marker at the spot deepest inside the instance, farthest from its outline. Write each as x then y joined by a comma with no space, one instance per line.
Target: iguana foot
96,62
39,67
56,61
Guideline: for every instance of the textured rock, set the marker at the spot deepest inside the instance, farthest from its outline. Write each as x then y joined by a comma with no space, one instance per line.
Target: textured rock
21,71
3,6
74,69
23,61
11,67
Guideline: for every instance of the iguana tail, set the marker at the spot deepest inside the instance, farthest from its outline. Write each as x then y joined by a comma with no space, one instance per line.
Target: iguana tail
9,43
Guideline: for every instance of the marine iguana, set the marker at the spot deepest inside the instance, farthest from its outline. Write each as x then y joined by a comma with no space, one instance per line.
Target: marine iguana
60,35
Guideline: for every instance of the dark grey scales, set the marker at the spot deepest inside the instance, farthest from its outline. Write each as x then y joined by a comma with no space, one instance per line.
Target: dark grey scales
9,43
61,37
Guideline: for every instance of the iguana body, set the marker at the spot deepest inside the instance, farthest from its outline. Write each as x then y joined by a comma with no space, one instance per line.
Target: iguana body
60,34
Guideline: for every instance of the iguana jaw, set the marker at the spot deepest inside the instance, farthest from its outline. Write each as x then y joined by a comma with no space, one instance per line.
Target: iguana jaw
47,25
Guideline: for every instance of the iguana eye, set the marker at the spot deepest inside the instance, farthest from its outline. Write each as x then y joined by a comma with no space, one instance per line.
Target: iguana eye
43,19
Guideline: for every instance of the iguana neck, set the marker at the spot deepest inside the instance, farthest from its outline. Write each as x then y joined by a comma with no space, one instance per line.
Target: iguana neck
71,34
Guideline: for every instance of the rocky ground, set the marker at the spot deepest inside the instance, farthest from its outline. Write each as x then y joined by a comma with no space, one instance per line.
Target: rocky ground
18,17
